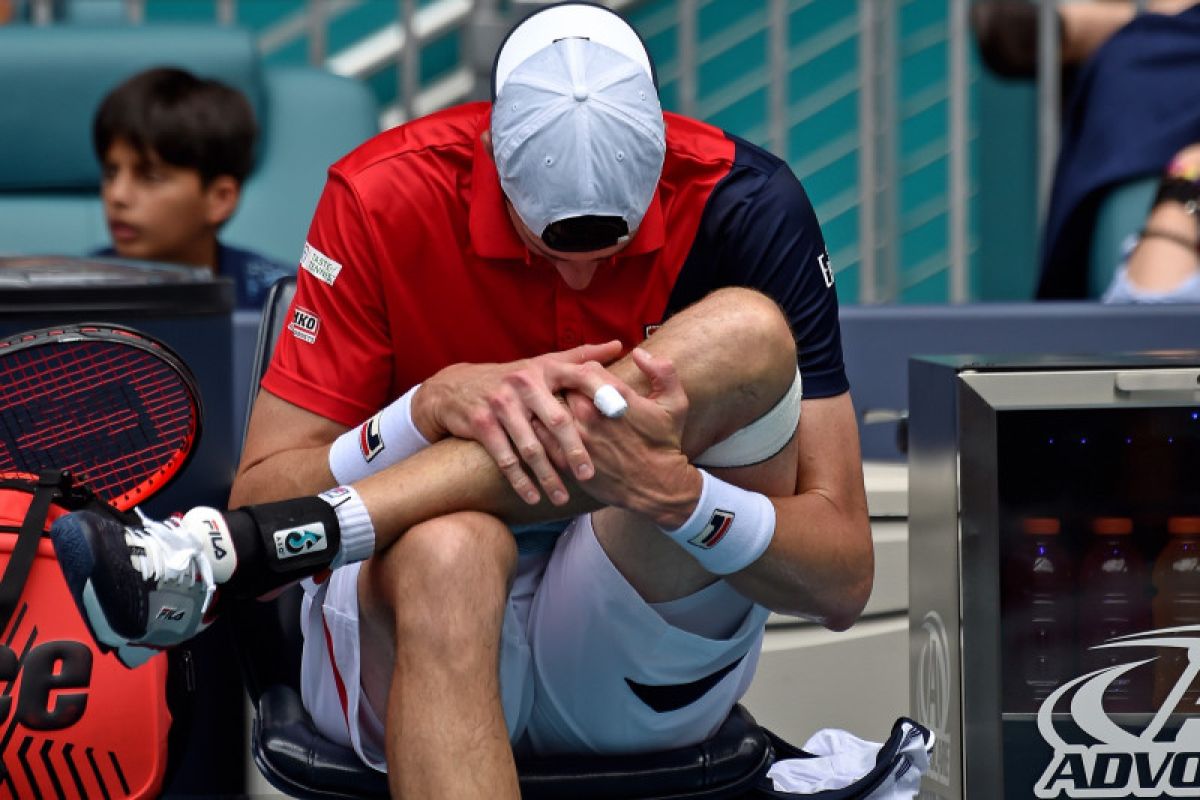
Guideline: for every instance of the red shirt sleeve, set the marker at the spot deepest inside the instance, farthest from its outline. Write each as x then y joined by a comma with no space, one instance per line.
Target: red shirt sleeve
334,356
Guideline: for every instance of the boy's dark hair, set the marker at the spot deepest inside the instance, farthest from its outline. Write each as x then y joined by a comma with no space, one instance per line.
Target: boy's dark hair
188,121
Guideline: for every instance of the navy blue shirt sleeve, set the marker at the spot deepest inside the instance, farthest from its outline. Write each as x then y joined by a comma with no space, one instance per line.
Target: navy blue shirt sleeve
759,230
253,274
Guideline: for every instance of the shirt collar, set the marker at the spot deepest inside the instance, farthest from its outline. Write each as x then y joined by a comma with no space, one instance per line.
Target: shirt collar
492,232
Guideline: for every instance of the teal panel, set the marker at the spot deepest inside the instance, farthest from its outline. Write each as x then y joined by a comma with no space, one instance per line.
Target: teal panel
181,11
1006,263
440,56
294,53
258,15
359,22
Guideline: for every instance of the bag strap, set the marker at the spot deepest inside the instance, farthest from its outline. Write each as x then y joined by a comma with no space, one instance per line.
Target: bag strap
51,483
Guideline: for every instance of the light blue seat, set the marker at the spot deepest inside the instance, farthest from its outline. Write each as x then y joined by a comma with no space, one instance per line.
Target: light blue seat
55,76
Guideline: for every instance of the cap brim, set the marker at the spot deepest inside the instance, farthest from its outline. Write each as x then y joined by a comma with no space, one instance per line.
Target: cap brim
563,21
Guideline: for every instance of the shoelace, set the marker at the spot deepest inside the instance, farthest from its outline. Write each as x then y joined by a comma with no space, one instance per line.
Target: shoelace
170,553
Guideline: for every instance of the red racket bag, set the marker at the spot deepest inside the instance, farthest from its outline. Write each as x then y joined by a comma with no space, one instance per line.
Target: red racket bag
74,722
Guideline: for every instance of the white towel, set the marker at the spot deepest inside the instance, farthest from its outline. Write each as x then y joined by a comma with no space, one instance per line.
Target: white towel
841,759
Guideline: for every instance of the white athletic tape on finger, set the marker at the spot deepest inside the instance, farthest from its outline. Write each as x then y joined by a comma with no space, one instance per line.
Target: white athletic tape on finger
762,438
609,402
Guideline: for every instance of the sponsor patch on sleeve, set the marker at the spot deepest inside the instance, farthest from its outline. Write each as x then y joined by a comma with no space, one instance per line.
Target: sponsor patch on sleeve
305,325
320,265
826,268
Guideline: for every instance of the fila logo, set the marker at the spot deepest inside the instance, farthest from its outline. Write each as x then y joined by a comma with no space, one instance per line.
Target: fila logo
304,325
826,268
718,525
370,439
171,614
215,539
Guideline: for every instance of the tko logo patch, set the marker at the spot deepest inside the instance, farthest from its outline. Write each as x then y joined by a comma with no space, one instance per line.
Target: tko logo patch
321,266
292,542
305,325
370,439
718,525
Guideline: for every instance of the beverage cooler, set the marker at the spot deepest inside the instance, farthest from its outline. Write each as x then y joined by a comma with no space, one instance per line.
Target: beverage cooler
1054,574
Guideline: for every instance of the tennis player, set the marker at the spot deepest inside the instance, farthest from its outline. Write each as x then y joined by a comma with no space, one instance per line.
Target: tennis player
518,562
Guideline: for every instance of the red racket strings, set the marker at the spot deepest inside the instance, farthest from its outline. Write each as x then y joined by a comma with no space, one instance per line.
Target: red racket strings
118,416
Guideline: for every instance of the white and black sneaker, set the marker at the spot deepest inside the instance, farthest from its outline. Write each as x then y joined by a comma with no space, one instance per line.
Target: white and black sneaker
145,587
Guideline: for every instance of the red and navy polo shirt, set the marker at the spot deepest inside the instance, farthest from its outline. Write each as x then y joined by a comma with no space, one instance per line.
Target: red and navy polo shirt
412,264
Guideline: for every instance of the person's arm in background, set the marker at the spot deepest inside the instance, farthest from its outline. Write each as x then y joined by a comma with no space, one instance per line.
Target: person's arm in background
1167,254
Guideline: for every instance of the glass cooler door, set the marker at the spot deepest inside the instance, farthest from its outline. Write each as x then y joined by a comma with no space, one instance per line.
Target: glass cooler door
1080,515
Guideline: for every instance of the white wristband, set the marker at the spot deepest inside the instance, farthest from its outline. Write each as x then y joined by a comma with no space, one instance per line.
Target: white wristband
387,438
354,525
729,529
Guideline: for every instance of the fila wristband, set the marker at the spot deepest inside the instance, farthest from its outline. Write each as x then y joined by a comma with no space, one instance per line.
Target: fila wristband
387,438
729,529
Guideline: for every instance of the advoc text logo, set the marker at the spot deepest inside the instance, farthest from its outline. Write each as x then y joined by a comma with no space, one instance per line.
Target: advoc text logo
1117,762
934,693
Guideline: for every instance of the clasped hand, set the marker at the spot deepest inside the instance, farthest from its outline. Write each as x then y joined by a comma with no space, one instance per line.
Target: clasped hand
494,404
537,415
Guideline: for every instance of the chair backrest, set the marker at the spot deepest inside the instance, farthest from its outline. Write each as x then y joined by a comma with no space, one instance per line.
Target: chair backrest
52,79
268,633
1122,212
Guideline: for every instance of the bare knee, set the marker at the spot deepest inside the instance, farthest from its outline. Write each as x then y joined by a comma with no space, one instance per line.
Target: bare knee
757,327
444,582
737,358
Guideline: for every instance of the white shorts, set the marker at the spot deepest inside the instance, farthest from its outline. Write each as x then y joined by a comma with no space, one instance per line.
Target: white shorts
582,671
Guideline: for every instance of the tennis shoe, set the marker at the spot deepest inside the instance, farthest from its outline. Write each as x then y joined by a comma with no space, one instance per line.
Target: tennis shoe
140,587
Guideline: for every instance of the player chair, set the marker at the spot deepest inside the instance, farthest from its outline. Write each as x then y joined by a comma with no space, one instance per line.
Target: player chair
296,759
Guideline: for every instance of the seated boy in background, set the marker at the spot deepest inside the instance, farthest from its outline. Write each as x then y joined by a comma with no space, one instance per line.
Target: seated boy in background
174,150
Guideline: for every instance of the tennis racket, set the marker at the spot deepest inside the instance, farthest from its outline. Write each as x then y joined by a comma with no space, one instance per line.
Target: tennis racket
115,407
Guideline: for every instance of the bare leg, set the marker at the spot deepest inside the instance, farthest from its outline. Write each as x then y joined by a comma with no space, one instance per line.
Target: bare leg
441,590
749,337
1159,263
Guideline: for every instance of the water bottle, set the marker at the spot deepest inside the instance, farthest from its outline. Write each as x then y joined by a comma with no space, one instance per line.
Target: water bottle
1040,592
1114,594
1177,602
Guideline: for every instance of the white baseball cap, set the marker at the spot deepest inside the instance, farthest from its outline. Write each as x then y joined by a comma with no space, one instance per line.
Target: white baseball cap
577,130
